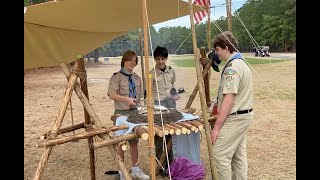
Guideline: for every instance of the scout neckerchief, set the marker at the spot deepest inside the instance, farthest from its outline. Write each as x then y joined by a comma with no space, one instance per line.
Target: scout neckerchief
236,56
132,86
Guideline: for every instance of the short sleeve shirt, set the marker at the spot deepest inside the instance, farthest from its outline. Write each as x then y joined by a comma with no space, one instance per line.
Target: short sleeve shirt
165,81
237,79
119,84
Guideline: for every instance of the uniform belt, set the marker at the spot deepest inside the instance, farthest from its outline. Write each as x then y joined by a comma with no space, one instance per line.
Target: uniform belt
242,112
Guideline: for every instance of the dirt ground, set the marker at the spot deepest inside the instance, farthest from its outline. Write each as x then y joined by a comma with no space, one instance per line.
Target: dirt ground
271,137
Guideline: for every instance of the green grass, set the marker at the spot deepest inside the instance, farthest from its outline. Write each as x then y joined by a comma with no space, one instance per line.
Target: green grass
191,63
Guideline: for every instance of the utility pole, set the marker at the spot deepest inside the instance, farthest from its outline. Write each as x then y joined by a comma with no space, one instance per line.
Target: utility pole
229,16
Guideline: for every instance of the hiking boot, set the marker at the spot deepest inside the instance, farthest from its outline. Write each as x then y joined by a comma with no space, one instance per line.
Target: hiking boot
136,172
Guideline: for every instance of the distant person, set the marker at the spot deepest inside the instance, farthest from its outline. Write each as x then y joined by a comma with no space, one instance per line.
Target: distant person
235,113
125,88
165,79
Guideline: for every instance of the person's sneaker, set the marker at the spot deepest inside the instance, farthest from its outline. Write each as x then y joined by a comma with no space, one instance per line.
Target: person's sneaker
136,172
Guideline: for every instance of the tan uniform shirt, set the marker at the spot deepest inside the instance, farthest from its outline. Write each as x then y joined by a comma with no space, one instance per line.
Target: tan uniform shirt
119,84
237,79
165,81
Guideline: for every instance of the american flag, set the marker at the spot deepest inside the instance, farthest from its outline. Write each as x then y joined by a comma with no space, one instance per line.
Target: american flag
201,14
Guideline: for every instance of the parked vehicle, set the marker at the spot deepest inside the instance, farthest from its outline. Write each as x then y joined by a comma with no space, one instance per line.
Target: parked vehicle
261,51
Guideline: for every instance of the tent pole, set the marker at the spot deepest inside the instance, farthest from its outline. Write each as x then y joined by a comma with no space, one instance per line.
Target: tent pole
142,63
201,94
80,68
149,92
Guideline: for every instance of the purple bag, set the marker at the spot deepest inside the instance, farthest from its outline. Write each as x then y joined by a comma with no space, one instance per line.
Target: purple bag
182,168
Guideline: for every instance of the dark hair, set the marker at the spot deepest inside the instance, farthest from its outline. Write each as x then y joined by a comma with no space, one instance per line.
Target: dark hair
127,56
221,41
160,52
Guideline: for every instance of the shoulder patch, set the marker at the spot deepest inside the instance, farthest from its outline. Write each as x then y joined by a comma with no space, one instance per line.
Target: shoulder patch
115,73
228,85
229,72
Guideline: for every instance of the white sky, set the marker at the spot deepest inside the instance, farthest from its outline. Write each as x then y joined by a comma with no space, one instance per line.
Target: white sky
216,13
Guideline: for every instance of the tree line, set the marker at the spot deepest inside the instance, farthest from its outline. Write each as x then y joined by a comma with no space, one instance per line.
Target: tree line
269,22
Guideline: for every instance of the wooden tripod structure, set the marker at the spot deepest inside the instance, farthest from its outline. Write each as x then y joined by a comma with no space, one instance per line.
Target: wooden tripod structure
91,119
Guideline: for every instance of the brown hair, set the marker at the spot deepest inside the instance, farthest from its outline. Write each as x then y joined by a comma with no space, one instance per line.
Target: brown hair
127,56
222,41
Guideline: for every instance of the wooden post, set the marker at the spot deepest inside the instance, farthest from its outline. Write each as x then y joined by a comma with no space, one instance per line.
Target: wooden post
206,78
149,93
201,94
80,68
56,126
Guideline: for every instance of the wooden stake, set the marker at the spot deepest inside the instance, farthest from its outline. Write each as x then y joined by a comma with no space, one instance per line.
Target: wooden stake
165,131
115,140
188,126
62,140
64,130
141,132
170,128
197,124
177,131
183,129
158,131
123,145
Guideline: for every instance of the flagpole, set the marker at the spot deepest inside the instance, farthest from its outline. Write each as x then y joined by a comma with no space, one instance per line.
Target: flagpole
201,94
208,26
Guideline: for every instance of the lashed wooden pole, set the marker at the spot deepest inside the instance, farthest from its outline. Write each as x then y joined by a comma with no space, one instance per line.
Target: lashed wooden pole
201,94
142,63
80,68
56,126
152,151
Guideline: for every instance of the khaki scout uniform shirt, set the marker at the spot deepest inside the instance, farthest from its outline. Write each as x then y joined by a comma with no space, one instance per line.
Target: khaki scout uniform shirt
165,81
237,79
119,84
